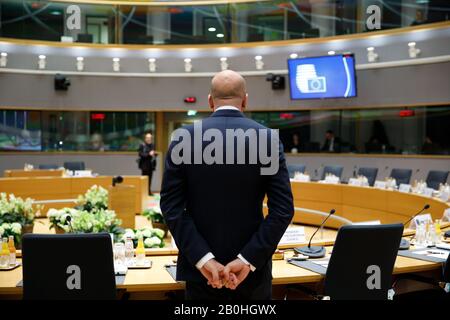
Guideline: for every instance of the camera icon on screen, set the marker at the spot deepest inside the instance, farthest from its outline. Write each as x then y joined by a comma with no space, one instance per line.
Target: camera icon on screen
318,84
307,80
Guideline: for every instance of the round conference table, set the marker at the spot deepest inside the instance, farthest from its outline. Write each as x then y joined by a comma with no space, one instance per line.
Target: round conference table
350,202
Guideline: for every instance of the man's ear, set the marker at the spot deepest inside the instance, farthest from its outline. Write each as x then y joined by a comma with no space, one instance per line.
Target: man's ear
211,102
244,102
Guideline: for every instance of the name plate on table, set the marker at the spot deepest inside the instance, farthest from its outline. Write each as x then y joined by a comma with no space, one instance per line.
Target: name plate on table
354,182
445,196
428,192
293,235
380,184
406,188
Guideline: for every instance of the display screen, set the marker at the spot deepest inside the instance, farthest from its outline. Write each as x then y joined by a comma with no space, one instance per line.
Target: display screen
322,77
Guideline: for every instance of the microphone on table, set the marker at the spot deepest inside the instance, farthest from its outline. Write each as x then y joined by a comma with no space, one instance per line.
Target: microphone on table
315,251
404,244
69,221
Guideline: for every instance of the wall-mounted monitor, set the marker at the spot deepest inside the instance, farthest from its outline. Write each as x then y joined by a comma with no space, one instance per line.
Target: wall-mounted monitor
330,76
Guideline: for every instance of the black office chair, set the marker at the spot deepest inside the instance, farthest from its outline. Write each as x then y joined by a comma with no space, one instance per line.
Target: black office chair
48,166
359,267
68,267
369,173
401,175
74,166
435,178
336,170
293,168
430,288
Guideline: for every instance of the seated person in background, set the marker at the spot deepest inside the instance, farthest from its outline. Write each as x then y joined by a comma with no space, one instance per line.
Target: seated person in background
430,147
420,18
97,142
296,146
332,143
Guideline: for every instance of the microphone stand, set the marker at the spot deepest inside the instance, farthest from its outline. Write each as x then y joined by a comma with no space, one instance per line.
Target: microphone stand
69,221
315,251
404,243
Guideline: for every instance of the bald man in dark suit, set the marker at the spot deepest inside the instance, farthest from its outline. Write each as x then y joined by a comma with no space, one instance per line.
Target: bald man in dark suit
214,209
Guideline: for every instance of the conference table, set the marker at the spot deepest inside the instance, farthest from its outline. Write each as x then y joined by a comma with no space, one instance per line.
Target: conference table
351,203
157,283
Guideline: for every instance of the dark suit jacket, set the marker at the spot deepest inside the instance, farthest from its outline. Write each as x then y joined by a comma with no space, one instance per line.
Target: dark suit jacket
146,162
336,145
219,208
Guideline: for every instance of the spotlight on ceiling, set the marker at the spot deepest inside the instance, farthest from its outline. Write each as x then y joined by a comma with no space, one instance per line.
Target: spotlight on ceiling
211,29
223,63
3,59
42,62
293,56
187,65
80,63
220,35
331,53
413,51
152,64
372,56
116,64
259,63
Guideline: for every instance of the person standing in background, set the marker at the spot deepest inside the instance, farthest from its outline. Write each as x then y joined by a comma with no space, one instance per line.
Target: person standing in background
147,159
332,143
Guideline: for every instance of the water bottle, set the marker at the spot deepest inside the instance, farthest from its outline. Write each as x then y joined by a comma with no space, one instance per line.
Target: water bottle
129,251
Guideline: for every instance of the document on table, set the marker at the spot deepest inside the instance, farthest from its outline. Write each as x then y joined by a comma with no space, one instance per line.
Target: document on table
435,253
323,263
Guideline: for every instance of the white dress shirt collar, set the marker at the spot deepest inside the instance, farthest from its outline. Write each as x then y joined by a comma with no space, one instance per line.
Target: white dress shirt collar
227,108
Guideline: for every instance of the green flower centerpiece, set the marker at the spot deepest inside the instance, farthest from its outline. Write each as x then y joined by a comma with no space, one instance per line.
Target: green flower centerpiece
153,237
155,216
83,221
17,210
96,198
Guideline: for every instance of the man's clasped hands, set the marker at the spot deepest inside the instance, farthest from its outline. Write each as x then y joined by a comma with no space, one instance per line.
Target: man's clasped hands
229,276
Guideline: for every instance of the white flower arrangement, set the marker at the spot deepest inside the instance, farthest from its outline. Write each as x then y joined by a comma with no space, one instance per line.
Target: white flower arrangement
15,209
95,198
11,229
153,237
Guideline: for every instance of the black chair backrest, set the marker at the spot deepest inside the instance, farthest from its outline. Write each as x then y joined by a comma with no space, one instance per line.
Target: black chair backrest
68,266
435,178
446,270
48,166
362,261
73,166
401,175
336,170
293,168
369,173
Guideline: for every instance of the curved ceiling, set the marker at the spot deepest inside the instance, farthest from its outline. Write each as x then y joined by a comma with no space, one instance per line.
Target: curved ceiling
159,3
390,46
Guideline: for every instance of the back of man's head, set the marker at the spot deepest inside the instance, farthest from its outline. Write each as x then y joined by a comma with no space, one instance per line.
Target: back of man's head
228,88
